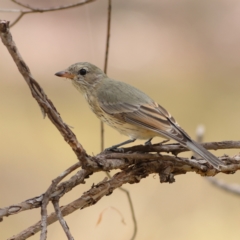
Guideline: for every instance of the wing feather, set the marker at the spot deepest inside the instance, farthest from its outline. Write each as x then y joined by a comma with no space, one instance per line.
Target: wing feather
148,116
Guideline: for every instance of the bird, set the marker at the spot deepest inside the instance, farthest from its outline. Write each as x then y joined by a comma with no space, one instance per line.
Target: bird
129,110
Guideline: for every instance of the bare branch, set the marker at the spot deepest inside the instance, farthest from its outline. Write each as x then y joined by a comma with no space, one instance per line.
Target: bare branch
107,162
45,104
132,212
17,19
40,10
23,5
133,174
63,7
46,197
176,148
129,198
231,188
61,220
36,202
106,63
108,35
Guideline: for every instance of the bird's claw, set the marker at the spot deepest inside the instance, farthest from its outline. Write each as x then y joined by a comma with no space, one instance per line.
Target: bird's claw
148,142
114,149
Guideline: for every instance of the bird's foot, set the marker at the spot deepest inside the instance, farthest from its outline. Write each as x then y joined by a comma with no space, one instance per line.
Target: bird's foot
114,149
148,142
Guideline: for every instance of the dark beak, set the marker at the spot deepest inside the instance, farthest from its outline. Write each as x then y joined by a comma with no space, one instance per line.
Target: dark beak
65,74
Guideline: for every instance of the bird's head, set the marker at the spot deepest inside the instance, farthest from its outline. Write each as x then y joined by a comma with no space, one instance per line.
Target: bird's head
84,75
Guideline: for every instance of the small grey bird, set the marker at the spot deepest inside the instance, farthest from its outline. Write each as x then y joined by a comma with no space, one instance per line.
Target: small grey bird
128,110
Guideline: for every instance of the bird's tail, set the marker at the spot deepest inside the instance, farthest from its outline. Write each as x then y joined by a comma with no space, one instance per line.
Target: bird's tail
200,150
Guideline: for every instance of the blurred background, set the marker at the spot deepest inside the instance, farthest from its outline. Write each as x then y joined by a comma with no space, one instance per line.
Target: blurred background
184,53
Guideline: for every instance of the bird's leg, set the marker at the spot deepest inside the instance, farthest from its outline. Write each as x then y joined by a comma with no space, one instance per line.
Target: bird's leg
148,142
115,147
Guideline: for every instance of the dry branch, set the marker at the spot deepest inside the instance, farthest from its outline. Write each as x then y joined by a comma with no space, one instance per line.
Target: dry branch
177,148
61,220
106,63
45,104
228,187
126,161
40,10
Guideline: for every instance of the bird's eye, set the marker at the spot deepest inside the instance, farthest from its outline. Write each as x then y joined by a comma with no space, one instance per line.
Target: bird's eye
82,71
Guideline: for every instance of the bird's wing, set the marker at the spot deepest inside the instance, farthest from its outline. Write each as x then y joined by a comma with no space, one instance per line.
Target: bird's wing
129,104
150,116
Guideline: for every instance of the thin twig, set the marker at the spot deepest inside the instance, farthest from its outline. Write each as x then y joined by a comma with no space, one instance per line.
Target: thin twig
132,212
17,19
63,7
40,10
102,135
36,202
47,197
63,223
23,5
108,35
106,63
129,198
176,148
231,188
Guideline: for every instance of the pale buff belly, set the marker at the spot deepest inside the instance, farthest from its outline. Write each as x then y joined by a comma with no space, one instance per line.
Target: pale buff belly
130,130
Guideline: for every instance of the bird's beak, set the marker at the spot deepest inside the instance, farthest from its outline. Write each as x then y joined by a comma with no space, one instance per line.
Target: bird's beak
65,74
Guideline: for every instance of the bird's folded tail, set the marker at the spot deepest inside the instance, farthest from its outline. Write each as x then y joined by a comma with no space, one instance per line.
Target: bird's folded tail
200,150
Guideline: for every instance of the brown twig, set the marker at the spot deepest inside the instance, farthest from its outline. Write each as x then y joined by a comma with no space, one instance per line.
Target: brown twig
231,188
129,198
36,202
132,212
108,35
46,197
40,10
45,104
176,148
106,63
61,220
107,162
166,166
